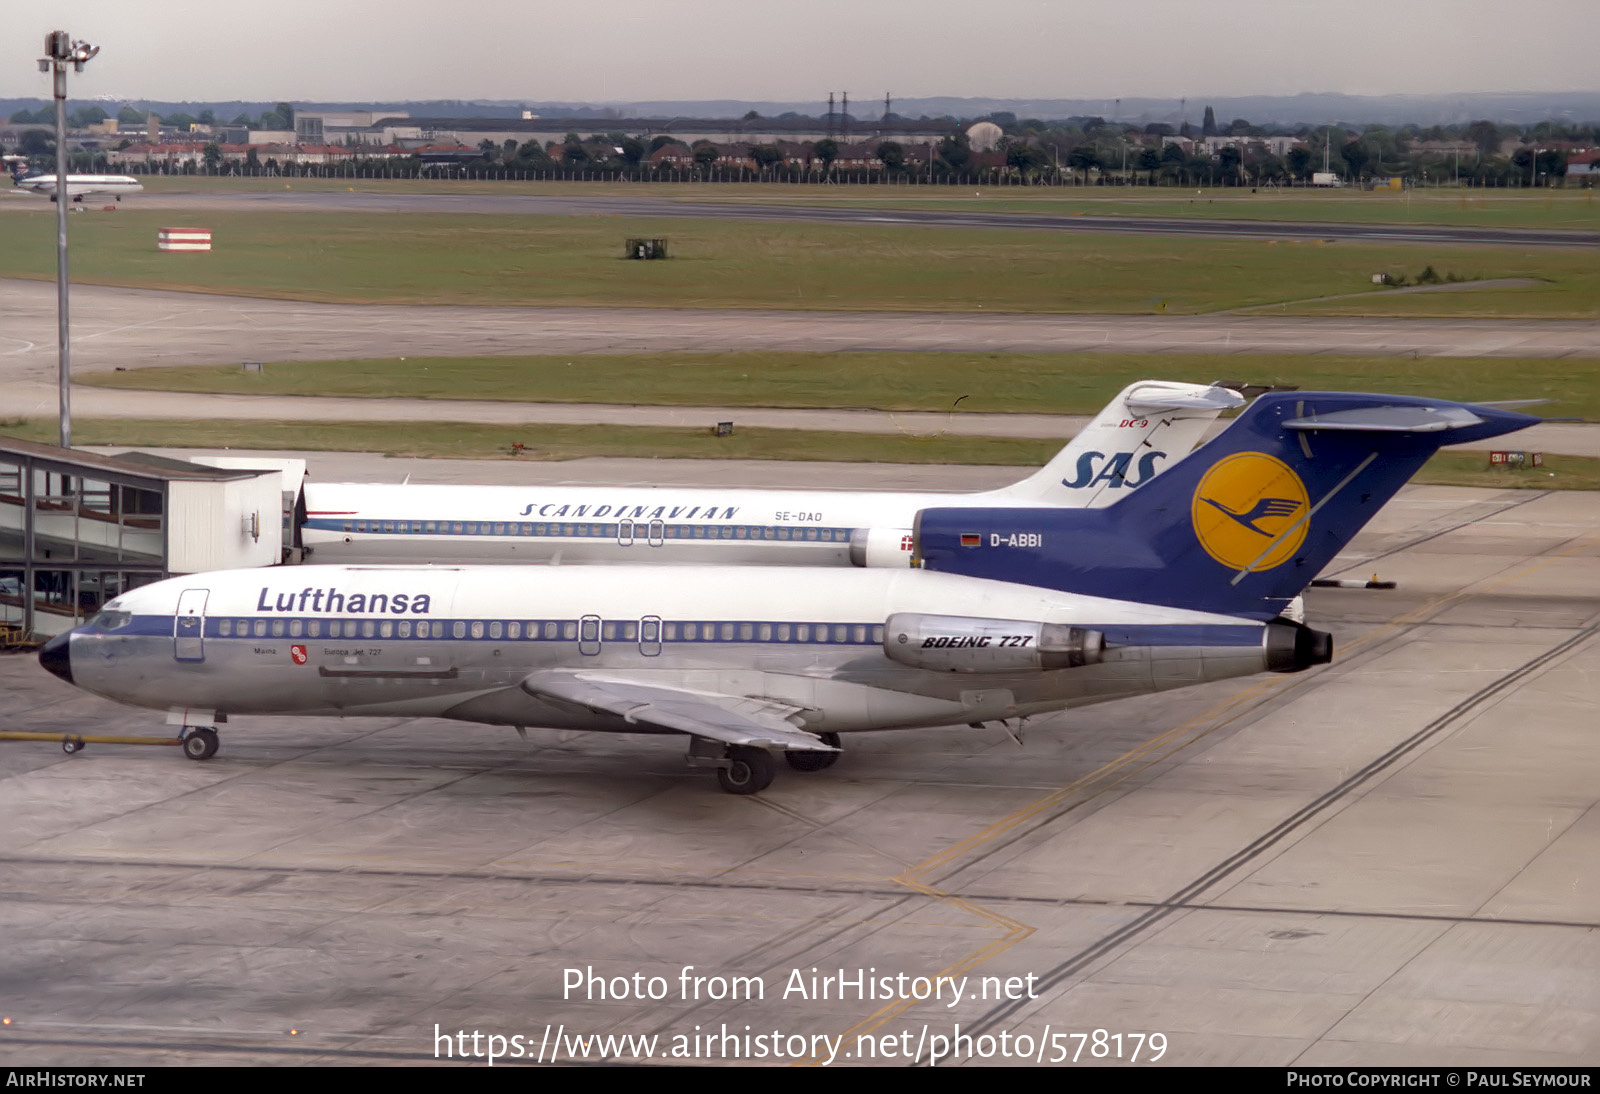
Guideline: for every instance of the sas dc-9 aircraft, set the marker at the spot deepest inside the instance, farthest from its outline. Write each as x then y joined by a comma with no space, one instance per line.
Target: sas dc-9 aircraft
1149,426
78,186
1013,612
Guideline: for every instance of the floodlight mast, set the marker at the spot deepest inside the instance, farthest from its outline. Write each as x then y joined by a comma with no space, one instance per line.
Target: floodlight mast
61,51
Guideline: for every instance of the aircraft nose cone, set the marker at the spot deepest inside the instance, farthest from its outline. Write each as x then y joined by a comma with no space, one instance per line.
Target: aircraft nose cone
57,657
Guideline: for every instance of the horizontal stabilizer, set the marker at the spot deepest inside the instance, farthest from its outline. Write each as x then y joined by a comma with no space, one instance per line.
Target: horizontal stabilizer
732,719
1154,400
1509,404
1390,419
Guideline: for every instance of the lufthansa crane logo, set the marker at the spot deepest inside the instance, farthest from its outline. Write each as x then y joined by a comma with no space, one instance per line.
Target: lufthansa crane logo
1249,511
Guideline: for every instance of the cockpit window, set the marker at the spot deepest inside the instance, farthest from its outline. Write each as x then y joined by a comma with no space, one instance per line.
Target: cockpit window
111,621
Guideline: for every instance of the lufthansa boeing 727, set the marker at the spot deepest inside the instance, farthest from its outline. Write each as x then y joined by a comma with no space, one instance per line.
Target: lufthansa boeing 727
1014,612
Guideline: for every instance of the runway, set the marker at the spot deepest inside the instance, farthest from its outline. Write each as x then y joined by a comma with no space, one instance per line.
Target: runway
645,205
1388,861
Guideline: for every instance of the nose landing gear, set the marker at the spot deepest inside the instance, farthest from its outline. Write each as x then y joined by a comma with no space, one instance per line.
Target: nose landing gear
199,742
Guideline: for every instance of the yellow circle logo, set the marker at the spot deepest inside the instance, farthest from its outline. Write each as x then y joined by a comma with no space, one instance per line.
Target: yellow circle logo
1249,511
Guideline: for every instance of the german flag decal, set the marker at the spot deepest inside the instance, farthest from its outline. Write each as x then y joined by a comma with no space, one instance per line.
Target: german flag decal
971,539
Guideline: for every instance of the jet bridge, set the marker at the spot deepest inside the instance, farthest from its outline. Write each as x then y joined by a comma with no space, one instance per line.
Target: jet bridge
78,528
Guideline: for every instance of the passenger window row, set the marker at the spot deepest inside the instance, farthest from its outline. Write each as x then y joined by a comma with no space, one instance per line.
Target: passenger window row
639,530
551,630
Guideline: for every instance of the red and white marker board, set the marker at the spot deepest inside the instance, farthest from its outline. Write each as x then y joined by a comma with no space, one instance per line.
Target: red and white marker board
184,239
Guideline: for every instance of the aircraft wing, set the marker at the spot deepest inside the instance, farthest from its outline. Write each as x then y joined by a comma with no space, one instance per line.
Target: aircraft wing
733,719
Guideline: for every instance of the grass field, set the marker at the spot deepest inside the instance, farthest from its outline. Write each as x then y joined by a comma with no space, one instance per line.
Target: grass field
457,440
1067,383
471,440
576,260
1566,210
1570,209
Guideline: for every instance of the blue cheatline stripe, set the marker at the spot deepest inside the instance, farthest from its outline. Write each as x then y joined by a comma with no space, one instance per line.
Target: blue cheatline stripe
642,530
389,628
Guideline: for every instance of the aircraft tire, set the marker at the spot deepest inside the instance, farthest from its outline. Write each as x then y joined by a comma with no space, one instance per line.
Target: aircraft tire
815,761
70,746
749,770
200,744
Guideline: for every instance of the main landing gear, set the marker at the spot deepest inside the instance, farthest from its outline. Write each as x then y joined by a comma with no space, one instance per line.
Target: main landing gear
748,770
745,769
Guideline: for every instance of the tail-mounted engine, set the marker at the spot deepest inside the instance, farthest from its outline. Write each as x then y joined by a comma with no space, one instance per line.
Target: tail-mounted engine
953,643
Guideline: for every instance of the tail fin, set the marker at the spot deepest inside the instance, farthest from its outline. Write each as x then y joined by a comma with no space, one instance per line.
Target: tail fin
1148,427
1239,528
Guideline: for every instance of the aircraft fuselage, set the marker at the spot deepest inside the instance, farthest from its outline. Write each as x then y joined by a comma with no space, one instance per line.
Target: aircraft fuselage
457,643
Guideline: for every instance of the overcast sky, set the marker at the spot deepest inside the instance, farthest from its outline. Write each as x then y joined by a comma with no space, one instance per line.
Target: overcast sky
635,50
